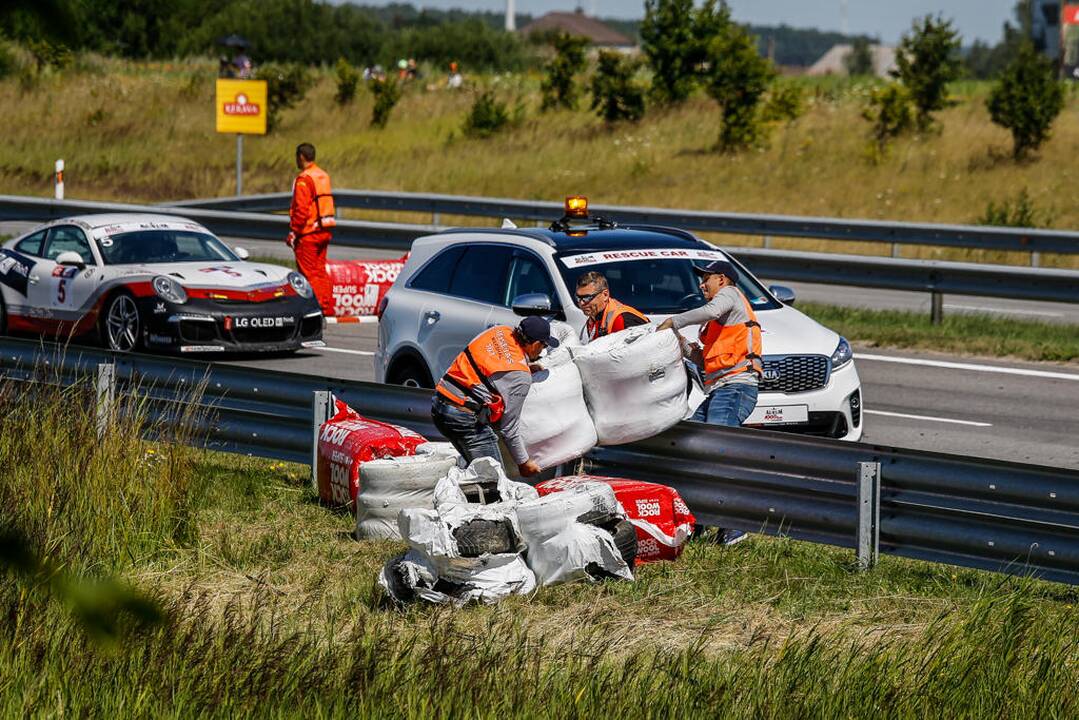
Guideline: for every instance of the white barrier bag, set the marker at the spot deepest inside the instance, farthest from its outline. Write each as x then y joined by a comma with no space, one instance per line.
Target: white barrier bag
565,539
555,424
391,485
567,340
634,383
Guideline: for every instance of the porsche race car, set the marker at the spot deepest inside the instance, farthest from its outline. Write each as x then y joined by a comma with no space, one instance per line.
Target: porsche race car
152,282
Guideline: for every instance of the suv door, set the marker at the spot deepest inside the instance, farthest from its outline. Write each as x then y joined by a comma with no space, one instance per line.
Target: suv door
527,274
449,321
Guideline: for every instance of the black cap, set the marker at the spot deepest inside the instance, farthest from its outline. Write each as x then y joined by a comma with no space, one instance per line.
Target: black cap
537,328
717,267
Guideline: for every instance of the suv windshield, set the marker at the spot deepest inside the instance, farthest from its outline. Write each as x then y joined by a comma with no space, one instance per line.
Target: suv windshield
654,284
163,246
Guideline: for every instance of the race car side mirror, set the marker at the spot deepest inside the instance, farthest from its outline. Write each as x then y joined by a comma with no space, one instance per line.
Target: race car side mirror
241,252
71,259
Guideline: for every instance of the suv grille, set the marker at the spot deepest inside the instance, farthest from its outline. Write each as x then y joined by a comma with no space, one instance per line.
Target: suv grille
794,373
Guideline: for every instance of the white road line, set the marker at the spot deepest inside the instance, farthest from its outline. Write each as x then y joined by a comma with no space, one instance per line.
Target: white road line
926,417
343,350
1003,311
969,366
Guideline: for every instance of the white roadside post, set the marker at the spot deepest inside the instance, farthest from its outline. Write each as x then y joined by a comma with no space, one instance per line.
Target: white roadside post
868,514
321,411
59,179
106,396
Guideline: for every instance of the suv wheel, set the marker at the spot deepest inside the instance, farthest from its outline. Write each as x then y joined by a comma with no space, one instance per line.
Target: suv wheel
410,373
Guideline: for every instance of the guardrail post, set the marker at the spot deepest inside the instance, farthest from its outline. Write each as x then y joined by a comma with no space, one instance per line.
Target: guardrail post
1035,259
106,396
321,411
936,307
767,244
868,514
436,217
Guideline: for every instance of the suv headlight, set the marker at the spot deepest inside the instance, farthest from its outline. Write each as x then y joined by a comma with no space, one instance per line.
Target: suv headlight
168,289
300,285
842,355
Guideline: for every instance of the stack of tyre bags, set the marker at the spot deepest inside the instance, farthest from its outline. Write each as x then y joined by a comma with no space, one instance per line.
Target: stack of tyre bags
489,537
390,485
618,389
662,520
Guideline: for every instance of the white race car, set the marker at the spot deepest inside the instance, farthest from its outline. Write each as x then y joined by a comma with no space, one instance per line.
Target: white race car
153,282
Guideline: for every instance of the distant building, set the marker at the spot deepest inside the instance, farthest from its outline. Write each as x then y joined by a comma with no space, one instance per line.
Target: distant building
577,23
833,62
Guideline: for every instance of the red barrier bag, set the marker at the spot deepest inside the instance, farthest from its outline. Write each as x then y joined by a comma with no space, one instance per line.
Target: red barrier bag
662,519
359,285
346,441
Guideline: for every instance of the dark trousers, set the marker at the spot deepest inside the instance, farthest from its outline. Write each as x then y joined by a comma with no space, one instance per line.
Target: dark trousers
472,438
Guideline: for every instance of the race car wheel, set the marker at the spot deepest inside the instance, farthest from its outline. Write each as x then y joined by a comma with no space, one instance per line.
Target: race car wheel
122,325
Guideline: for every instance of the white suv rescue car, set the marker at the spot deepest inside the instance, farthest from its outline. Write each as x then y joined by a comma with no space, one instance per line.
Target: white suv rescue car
459,282
153,282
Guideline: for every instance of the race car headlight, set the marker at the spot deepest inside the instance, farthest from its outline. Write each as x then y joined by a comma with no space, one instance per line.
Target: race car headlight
300,285
168,289
842,355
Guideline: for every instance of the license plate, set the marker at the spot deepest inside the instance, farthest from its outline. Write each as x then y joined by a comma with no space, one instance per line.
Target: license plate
779,415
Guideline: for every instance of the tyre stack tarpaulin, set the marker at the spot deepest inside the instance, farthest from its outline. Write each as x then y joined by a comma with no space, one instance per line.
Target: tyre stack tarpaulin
360,285
662,519
346,441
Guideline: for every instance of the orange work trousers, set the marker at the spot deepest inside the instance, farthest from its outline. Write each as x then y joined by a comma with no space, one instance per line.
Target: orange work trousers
311,260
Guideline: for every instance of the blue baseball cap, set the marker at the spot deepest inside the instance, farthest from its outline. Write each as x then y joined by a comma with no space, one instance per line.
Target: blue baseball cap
536,328
717,267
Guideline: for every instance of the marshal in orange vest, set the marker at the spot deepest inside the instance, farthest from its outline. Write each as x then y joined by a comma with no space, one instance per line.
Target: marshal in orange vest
732,349
320,217
605,325
468,384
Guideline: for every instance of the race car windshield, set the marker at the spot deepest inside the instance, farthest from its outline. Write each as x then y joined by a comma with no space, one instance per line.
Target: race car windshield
658,286
162,246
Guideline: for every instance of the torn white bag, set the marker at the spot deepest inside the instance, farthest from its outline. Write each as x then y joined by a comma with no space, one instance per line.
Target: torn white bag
393,484
634,382
555,424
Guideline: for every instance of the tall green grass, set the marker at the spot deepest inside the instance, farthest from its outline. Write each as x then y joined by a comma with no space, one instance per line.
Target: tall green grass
271,609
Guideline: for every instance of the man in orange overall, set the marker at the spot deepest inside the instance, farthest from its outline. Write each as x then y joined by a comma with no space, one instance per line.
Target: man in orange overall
311,220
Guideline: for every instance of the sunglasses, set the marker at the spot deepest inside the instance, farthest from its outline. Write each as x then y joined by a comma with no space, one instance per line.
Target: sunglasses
585,299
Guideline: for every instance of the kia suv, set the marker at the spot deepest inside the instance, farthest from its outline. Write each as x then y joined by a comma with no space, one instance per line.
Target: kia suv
459,282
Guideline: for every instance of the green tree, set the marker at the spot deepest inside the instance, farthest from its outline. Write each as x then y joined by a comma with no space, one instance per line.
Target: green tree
890,114
669,43
859,61
737,78
387,93
927,60
347,80
983,61
1026,100
615,94
487,116
559,87
286,86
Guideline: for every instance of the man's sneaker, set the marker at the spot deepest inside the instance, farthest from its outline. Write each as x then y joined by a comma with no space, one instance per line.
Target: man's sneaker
732,537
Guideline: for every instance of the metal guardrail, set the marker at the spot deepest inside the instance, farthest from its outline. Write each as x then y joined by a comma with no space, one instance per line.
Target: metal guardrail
934,277
965,236
1009,517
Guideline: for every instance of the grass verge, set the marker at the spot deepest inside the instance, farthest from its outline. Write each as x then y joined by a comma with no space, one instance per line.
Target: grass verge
984,335
271,609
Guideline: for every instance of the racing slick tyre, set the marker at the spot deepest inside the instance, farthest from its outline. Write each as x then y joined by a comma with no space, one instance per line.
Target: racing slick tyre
480,537
121,324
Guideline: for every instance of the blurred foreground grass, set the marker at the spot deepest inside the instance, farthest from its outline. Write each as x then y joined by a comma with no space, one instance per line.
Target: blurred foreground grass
271,609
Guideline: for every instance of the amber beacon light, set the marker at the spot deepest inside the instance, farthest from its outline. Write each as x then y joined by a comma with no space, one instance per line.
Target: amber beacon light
577,206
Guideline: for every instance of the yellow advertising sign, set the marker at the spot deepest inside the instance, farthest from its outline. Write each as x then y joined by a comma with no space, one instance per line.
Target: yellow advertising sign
241,106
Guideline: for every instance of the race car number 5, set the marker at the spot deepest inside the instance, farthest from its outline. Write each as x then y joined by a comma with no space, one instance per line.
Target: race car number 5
61,292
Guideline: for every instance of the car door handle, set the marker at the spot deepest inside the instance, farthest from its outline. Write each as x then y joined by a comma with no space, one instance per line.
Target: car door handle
33,279
433,316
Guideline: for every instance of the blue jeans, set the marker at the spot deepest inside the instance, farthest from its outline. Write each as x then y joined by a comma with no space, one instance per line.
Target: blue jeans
728,405
472,438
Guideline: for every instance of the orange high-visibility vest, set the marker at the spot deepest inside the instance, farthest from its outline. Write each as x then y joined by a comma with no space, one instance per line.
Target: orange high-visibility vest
321,217
732,349
610,314
468,381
